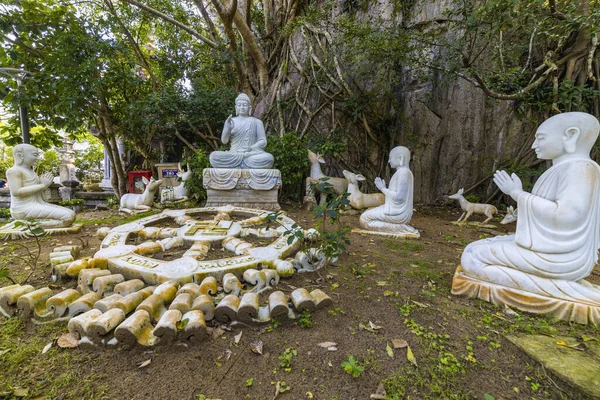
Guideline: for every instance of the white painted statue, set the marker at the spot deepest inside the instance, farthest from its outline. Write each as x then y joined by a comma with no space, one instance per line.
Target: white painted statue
541,268
135,202
395,214
26,188
469,208
248,140
359,200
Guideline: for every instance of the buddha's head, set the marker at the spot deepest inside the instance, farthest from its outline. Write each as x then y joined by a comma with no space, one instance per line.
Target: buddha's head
242,105
26,154
568,133
399,157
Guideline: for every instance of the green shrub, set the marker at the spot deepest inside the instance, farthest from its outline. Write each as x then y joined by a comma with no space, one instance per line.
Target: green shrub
197,163
4,212
291,158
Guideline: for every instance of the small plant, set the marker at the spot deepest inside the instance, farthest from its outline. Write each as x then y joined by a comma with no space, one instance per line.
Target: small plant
274,325
112,202
4,212
305,319
71,203
285,359
353,367
249,382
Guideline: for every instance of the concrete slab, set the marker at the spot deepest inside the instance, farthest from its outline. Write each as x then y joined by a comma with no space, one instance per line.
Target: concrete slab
579,369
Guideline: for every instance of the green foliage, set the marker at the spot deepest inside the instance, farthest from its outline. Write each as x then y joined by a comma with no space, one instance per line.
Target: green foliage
305,319
285,359
197,163
473,198
332,243
112,202
48,163
289,152
6,159
71,203
89,158
353,367
4,212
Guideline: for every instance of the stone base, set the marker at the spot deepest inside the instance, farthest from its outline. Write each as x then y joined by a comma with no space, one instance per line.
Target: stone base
582,313
393,235
247,198
10,231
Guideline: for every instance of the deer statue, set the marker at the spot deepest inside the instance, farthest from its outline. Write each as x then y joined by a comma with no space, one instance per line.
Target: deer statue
470,208
359,200
132,202
511,216
340,185
178,193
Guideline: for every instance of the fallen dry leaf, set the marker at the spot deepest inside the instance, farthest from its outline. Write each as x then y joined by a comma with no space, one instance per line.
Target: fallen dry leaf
216,332
373,326
389,351
20,392
145,363
46,348
410,356
399,343
257,347
327,344
238,337
380,393
66,340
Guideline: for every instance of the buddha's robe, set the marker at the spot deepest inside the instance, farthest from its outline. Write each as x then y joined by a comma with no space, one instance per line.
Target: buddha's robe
33,206
246,133
394,215
556,241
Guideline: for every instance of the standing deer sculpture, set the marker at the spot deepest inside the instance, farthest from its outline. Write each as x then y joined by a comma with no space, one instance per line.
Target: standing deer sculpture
470,208
340,185
132,202
359,200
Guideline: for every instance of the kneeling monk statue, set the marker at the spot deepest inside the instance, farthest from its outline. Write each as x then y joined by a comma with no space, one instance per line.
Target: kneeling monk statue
540,269
26,188
248,140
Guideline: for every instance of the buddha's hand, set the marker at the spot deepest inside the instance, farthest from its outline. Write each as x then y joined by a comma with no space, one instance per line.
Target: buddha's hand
229,122
47,178
380,184
509,184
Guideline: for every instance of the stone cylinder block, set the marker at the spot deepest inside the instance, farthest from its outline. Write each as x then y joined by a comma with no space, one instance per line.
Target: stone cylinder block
278,304
128,287
183,302
78,325
248,307
154,305
205,304
166,328
33,303
59,303
101,326
136,329
209,285
302,300
227,308
195,328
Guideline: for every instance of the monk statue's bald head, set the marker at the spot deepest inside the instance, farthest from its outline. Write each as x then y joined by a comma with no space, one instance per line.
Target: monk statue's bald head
399,156
570,133
25,154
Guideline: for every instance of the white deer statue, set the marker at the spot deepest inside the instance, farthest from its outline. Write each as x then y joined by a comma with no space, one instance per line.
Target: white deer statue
132,202
178,193
470,208
511,215
340,185
359,200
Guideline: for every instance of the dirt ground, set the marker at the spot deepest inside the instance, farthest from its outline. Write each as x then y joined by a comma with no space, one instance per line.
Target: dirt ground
384,289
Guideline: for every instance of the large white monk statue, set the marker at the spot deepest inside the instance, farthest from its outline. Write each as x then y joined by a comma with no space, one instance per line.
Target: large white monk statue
26,188
540,269
394,215
248,140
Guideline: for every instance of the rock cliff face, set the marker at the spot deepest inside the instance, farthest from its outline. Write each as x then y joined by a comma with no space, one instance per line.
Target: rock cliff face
458,136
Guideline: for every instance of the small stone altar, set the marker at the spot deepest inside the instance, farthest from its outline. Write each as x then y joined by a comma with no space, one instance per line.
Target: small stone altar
250,188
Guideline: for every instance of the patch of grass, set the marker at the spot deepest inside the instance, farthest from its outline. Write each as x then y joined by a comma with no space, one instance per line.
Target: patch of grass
403,246
115,219
51,374
423,269
305,319
285,359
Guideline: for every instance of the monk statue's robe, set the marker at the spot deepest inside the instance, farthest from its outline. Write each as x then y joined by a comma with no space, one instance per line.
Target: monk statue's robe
555,246
33,206
248,141
395,214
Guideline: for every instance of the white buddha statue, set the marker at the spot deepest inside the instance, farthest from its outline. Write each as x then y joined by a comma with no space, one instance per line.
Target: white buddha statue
248,140
395,214
541,268
26,188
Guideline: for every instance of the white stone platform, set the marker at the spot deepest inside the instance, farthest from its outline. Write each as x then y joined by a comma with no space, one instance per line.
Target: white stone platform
250,188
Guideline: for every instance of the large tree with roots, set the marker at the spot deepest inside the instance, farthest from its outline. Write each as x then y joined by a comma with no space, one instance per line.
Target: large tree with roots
332,71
